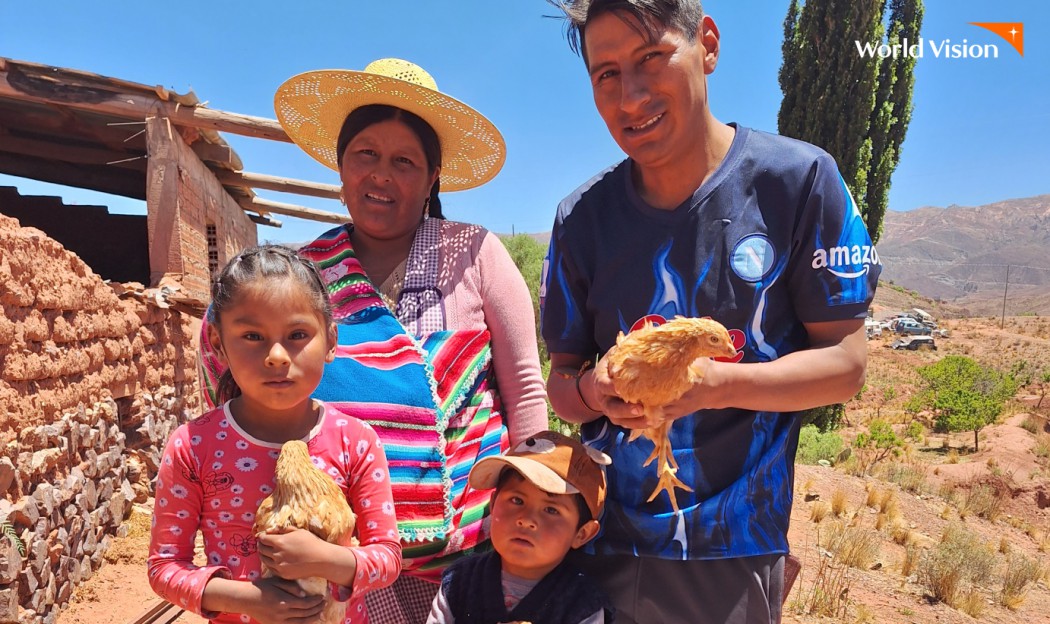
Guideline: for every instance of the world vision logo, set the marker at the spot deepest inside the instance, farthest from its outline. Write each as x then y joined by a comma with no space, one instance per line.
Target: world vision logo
1011,32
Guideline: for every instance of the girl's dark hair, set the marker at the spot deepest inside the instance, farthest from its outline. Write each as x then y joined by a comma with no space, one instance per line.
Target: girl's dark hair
272,262
364,116
680,15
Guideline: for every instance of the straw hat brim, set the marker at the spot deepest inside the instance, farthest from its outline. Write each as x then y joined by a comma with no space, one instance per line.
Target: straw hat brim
312,107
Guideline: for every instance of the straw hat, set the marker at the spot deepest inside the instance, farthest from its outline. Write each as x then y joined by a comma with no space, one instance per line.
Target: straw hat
313,106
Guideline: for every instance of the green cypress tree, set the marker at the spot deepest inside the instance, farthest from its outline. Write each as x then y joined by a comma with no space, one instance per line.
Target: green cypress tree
892,113
855,107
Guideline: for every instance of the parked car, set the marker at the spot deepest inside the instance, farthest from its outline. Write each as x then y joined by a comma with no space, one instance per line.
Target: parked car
911,327
872,328
914,343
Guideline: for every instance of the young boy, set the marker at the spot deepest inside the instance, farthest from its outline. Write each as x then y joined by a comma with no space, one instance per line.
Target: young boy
549,494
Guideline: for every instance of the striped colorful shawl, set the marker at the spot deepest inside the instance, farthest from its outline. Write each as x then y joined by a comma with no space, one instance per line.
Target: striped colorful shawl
427,397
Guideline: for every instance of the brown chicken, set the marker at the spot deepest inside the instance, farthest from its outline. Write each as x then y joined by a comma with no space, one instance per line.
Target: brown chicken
653,367
304,497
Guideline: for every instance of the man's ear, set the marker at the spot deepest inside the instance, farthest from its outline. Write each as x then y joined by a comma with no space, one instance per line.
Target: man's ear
333,343
586,533
708,35
215,340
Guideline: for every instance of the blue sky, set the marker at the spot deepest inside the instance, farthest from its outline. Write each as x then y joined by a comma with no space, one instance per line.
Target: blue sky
980,131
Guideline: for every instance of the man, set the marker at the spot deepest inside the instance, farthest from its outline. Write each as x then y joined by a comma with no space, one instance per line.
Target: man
702,219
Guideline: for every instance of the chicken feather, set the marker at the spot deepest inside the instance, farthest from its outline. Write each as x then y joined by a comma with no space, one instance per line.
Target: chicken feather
653,367
304,497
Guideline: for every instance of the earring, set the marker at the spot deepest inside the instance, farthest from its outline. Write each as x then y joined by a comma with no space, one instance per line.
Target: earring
426,208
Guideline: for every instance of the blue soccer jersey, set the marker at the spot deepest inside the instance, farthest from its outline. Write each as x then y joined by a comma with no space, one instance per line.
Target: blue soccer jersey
771,240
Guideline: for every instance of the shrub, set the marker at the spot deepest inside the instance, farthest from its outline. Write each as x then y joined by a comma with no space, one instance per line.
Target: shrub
911,476
1019,572
915,431
852,546
956,566
814,445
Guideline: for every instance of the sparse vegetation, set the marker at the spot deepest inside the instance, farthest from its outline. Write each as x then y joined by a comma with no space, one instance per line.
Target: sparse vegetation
814,446
854,546
957,567
1019,573
878,443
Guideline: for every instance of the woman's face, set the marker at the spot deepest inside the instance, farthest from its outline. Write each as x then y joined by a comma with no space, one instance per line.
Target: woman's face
386,180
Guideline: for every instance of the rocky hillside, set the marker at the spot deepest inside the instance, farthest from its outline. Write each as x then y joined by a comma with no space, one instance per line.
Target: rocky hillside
960,255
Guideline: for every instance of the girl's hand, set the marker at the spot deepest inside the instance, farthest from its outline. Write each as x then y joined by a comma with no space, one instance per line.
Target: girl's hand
279,601
294,553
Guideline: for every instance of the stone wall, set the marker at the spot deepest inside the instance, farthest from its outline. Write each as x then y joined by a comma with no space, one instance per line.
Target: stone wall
91,385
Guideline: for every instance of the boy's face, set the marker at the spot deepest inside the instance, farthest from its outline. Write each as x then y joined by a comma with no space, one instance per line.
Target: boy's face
532,530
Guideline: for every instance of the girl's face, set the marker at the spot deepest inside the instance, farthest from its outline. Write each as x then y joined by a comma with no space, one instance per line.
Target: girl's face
386,180
275,343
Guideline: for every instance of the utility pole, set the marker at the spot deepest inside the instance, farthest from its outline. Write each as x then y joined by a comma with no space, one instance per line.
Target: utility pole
1002,319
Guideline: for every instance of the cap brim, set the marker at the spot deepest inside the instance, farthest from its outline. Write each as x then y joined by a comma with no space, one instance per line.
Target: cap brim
312,106
485,474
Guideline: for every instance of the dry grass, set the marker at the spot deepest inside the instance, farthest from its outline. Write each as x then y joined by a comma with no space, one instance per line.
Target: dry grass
956,566
819,511
912,557
829,594
1042,445
854,546
838,502
1019,573
910,475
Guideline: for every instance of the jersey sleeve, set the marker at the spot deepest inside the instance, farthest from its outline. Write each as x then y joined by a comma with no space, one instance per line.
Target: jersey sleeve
835,268
565,325
176,519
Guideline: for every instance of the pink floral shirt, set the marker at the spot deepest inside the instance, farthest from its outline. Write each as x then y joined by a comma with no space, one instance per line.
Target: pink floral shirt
214,475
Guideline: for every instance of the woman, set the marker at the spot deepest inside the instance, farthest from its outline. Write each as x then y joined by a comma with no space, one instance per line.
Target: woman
432,314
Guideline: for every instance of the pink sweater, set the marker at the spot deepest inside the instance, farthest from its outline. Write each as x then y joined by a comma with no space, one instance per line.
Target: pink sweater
214,475
484,289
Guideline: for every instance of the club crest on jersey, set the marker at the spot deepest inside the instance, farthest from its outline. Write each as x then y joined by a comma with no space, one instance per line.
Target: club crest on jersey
753,258
735,335
847,261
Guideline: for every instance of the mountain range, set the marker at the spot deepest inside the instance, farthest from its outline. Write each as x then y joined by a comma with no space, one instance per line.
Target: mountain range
973,257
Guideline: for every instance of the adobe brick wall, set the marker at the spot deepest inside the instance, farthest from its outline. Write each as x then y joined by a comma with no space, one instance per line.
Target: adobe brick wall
91,385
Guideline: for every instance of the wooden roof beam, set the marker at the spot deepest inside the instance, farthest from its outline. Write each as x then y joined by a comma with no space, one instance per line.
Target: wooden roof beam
275,183
300,212
113,180
18,83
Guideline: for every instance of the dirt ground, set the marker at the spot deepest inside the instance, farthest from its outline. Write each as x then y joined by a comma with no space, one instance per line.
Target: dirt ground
1007,458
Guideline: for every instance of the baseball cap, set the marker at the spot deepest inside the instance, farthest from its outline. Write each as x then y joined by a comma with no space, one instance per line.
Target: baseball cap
553,462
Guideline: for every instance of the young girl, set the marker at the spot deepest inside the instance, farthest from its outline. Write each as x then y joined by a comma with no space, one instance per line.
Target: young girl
272,327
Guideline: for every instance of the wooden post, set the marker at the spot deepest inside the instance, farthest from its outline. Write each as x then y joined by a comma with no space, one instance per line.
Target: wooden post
162,197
